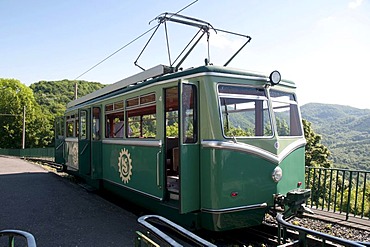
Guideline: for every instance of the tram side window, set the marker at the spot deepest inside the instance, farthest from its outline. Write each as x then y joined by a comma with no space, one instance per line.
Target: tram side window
77,128
114,120
189,112
286,113
96,124
172,118
83,132
71,126
141,119
59,128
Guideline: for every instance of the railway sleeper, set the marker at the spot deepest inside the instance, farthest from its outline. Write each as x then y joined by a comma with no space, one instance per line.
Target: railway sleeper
307,236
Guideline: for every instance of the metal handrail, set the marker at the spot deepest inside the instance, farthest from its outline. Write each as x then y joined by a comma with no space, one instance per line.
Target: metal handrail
30,239
339,190
163,236
303,232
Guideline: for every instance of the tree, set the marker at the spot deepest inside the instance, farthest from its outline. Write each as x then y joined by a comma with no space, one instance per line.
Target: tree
54,95
14,97
317,154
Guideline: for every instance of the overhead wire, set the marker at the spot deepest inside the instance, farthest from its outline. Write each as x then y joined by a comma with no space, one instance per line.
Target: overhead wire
123,47
132,41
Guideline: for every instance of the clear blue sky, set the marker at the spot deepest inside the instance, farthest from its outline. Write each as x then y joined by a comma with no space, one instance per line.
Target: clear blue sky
324,46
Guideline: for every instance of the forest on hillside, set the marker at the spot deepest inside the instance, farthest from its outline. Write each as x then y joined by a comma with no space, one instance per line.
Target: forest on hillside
54,95
345,131
36,106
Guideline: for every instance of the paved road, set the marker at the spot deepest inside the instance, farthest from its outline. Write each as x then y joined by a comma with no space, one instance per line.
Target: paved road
58,212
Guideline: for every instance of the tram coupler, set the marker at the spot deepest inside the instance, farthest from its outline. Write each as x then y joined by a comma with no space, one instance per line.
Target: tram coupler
293,203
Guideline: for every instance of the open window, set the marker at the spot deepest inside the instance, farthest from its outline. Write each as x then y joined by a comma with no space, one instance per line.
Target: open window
141,115
72,126
114,120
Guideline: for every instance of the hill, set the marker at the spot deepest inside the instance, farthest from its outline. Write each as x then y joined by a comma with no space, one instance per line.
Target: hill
54,95
345,131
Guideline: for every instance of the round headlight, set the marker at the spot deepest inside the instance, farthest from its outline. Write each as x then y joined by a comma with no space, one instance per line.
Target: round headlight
275,77
277,174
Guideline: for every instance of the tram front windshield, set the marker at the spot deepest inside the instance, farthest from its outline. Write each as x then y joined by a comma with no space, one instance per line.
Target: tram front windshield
288,122
245,112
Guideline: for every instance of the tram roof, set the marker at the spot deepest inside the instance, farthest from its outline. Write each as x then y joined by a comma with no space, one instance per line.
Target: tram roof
163,72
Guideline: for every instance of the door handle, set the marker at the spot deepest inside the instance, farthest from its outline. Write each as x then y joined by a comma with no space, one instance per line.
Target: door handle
158,158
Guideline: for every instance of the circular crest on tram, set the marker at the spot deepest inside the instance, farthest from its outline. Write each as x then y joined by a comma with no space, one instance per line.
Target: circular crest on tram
125,165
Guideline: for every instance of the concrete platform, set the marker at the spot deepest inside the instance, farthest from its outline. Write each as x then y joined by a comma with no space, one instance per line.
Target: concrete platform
57,211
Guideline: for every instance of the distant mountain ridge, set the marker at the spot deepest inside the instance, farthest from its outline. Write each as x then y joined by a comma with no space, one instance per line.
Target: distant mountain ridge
345,131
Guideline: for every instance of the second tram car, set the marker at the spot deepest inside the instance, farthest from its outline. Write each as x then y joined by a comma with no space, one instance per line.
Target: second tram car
208,147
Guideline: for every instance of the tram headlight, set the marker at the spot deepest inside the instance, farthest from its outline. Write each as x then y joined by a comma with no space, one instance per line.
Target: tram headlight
275,77
277,174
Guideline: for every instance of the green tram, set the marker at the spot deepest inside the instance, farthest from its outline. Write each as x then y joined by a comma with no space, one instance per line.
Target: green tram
210,147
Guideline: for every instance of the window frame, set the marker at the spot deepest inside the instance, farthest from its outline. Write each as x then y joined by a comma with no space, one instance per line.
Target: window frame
113,111
262,98
141,110
289,103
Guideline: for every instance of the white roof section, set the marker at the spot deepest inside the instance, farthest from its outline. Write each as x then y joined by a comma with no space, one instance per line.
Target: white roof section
142,76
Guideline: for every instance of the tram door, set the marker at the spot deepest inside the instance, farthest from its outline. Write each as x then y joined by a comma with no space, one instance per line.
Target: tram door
96,144
188,149
182,146
84,144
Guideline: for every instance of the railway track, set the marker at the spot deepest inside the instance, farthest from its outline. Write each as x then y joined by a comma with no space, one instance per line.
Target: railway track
263,235
267,235
49,163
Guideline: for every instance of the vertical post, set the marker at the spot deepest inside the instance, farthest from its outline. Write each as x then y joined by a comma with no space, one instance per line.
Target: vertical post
363,196
330,189
24,128
349,195
76,89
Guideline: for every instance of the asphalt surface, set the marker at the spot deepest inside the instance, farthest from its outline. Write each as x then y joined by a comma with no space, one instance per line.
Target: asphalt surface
59,212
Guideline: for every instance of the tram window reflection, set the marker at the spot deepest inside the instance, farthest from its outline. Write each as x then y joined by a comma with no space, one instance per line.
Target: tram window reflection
286,114
188,106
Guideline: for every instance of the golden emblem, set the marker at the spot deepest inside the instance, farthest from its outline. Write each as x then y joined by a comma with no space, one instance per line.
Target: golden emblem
124,165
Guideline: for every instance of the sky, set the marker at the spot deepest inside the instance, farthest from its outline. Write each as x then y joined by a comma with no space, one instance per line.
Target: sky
321,45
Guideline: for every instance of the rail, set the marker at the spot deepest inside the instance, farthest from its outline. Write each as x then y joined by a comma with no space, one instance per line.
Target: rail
304,232
11,234
157,237
339,191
